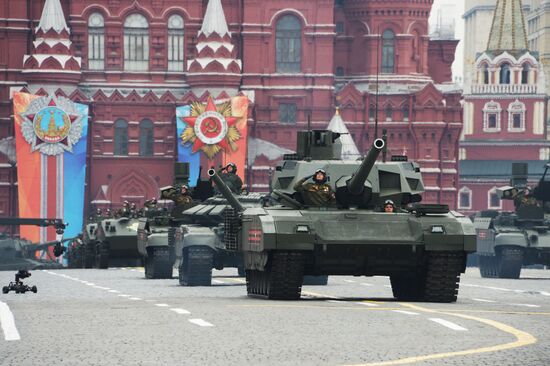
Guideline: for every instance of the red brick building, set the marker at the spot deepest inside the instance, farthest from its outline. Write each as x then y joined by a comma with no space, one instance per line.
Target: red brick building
505,114
135,61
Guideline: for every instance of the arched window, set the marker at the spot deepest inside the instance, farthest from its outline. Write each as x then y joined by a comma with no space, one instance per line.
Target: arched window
493,199
136,43
525,74
121,137
485,74
465,198
505,74
288,46
406,112
176,44
389,112
372,112
516,116
146,138
491,117
388,52
96,42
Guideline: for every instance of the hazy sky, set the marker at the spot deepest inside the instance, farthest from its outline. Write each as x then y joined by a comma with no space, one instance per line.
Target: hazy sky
447,11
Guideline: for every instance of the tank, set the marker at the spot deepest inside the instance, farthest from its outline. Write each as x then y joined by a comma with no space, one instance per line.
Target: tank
16,254
157,251
421,247
506,241
116,242
203,237
82,251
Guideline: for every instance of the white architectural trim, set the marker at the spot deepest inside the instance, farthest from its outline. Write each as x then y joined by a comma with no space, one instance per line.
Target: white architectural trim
516,107
491,107
468,191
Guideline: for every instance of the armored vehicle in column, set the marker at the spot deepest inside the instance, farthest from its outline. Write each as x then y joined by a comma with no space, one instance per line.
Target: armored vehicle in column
205,237
421,247
157,251
506,241
116,239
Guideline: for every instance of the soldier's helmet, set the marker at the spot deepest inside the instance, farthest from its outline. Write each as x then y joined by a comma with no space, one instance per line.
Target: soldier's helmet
184,189
133,205
126,203
389,203
322,180
98,211
233,166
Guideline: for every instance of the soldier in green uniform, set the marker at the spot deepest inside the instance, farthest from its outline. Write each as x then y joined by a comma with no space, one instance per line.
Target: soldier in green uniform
230,177
179,195
318,193
125,210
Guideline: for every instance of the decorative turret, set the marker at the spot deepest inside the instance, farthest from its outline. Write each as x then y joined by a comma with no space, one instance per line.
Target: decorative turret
508,29
52,60
349,148
215,68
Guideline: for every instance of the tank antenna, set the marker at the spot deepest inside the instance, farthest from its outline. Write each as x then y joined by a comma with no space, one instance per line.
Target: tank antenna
377,83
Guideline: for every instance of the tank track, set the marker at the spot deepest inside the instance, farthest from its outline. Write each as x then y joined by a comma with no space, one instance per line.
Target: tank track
443,276
158,264
438,282
196,267
102,255
282,278
505,264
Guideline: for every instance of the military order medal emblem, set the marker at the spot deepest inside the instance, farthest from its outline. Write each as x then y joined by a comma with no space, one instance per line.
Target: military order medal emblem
211,128
51,125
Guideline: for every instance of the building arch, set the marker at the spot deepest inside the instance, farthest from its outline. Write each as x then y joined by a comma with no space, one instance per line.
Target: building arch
132,183
176,10
95,8
493,199
288,44
465,198
136,42
287,11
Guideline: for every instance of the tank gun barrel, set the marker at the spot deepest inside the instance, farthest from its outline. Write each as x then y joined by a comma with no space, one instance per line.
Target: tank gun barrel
357,182
225,191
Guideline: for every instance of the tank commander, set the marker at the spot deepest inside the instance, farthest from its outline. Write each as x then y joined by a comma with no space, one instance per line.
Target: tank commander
318,193
125,210
230,177
179,195
389,206
151,204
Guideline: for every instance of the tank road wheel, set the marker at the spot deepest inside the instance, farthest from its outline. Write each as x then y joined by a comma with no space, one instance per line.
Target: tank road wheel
34,289
196,267
282,278
508,262
102,255
158,264
89,254
315,280
443,275
5,290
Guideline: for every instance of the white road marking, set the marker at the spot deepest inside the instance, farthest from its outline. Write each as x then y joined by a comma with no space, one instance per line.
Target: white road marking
527,305
135,298
388,286
405,312
90,284
201,323
366,284
448,324
544,293
8,323
122,295
336,301
367,304
349,281
162,305
483,300
114,291
180,311
217,281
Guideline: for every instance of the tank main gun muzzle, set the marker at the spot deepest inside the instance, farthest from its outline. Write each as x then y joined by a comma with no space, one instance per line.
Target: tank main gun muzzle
225,191
356,184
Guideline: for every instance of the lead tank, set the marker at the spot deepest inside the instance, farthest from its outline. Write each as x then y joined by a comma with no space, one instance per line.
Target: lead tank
506,241
422,249
116,242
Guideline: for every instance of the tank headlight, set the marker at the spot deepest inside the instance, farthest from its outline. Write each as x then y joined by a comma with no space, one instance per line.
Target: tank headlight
438,229
302,229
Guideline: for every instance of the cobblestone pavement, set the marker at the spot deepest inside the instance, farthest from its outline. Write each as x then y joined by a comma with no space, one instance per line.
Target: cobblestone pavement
117,317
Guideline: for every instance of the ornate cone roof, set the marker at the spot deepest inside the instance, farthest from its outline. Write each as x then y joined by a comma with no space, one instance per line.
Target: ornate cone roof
52,18
508,29
349,148
214,20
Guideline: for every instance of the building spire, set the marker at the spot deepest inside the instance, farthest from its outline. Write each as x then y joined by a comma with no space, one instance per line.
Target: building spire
349,148
214,20
508,29
52,18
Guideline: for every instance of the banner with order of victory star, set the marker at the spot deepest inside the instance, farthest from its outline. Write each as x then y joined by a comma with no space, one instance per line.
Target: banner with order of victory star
51,141
213,135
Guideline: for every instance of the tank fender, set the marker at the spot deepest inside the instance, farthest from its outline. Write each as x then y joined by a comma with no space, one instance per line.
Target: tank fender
157,240
454,231
511,238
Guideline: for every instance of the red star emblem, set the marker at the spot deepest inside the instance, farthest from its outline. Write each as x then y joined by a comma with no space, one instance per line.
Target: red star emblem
210,127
